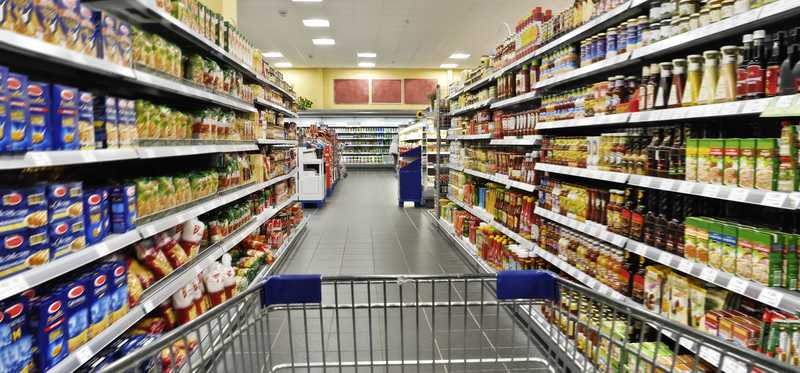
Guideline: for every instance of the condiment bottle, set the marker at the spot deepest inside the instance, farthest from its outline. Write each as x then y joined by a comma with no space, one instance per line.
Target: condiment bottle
652,86
664,85
756,68
741,6
741,71
678,82
687,7
694,76
708,86
643,88
727,9
726,83
786,79
611,42
774,64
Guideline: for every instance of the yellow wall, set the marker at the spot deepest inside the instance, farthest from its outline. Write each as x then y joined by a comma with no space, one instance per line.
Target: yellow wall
227,8
316,84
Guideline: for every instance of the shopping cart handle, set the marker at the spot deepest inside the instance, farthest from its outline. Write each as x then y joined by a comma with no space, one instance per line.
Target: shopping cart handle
526,285
291,289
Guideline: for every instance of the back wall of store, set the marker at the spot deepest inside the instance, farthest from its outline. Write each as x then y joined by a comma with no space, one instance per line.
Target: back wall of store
316,84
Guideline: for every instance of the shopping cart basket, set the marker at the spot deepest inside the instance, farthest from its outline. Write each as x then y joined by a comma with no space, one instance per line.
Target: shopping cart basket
527,321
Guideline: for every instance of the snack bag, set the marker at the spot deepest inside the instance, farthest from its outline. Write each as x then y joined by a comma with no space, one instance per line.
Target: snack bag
87,35
145,277
183,303
214,284
172,251
191,234
22,16
69,24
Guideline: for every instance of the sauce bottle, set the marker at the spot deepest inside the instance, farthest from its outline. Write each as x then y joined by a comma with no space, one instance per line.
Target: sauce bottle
741,71
778,54
663,153
664,85
708,86
648,233
678,82
694,76
651,150
637,217
756,67
642,91
726,82
652,85
787,86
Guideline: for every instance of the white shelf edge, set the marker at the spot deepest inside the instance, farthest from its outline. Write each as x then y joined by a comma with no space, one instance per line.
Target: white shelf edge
501,180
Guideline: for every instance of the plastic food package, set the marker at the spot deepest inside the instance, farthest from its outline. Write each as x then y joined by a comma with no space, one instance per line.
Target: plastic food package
135,289
172,251
153,259
145,277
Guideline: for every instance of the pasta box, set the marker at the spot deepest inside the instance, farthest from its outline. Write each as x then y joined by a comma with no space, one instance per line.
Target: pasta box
44,21
19,113
123,208
93,215
77,313
14,210
14,253
65,118
16,344
118,306
86,120
4,110
49,329
66,244
88,37
69,21
64,200
124,43
39,95
106,33
105,122
99,301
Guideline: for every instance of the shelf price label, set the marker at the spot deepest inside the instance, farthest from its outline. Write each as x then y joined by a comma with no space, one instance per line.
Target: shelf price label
667,184
708,274
774,199
711,190
710,355
639,249
83,354
737,284
685,266
12,285
738,194
770,297
686,187
665,258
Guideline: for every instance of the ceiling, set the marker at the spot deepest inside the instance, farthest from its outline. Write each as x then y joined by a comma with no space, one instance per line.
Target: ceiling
404,33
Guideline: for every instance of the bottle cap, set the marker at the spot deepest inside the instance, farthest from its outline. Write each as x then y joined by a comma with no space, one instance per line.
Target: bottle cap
746,38
759,34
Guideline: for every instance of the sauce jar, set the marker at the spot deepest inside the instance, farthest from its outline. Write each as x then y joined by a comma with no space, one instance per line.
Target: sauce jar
641,26
705,17
622,37
655,11
694,77
726,83
694,21
632,33
655,32
687,7
611,42
741,6
601,47
708,86
666,29
715,13
727,9
673,26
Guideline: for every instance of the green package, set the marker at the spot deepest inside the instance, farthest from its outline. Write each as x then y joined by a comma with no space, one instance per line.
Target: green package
747,162
716,150
729,234
766,164
701,240
730,173
744,253
714,243
767,258
690,238
691,159
790,261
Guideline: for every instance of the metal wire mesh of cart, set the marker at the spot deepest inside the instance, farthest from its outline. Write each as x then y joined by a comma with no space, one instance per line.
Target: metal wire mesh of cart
347,324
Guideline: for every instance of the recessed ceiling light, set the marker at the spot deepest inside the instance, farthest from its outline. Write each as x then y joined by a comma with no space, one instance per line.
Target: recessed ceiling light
459,56
367,55
323,41
366,64
283,64
448,65
272,54
316,23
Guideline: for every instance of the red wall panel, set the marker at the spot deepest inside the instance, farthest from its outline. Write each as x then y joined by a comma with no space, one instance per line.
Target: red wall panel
418,90
351,91
386,91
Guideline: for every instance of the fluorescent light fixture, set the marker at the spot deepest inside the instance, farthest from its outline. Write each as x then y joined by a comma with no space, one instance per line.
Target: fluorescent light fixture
283,64
448,65
459,56
367,55
316,23
366,64
323,41
272,54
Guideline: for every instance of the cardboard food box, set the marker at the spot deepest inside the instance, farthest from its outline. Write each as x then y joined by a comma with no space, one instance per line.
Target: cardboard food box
65,118
766,164
731,162
86,120
744,253
19,113
729,243
747,163
714,243
39,95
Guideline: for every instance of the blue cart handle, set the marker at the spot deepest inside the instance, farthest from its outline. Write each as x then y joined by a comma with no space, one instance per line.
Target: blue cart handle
291,289
526,285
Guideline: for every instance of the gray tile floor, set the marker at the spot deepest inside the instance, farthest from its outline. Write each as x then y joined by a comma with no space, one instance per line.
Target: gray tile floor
362,231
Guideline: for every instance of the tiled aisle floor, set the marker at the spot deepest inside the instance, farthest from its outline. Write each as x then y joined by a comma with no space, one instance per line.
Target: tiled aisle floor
361,230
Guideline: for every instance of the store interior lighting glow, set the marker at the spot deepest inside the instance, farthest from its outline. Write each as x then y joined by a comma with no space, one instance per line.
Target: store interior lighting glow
316,23
323,41
367,55
272,54
448,65
459,56
283,64
366,64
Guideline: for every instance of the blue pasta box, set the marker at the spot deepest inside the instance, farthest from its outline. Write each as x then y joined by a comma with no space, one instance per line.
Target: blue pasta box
93,214
13,210
63,245
118,306
69,22
65,118
86,120
106,29
4,110
49,329
39,95
45,21
105,122
124,43
126,123
39,244
16,344
123,208
77,313
14,253
19,113
64,200
87,31
99,302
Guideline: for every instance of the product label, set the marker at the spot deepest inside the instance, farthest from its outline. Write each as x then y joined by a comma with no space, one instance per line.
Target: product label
772,83
741,83
755,80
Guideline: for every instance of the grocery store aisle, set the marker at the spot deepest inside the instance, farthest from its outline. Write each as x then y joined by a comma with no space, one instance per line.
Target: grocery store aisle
362,231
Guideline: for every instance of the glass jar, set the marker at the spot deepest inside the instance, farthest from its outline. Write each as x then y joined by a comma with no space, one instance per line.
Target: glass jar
741,6
727,9
694,77
726,83
705,17
715,13
611,42
655,32
655,11
678,83
601,47
666,29
668,9
622,38
694,21
708,86
683,25
633,38
673,26
687,7
641,26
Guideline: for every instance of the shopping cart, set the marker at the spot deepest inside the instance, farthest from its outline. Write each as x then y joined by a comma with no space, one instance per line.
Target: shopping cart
528,321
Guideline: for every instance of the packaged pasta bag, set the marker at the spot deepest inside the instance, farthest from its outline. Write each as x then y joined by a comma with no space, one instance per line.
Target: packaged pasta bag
171,250
191,235
166,192
153,259
135,289
145,277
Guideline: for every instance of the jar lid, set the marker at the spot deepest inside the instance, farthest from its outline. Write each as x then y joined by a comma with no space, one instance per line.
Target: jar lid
694,57
679,61
730,49
643,19
727,2
712,54
685,1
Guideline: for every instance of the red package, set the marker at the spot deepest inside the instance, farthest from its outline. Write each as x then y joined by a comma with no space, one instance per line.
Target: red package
146,278
174,253
153,259
183,304
168,314
150,325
